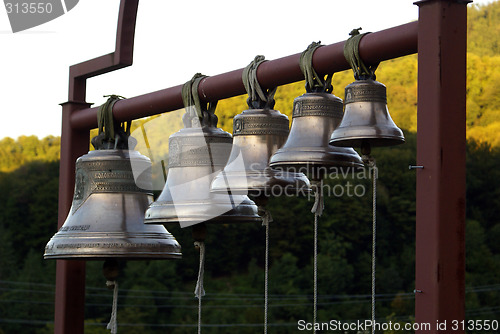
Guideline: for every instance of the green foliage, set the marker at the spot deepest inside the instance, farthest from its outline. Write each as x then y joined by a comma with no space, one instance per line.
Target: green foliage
27,149
483,29
157,296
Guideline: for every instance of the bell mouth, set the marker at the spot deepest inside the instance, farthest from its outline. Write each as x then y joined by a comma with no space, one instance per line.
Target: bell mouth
375,141
314,160
356,136
100,245
214,209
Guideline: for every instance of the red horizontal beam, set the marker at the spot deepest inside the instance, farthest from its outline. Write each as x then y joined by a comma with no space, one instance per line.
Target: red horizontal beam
375,47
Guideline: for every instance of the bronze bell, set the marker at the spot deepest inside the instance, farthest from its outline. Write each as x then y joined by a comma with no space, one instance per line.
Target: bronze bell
106,216
315,116
196,155
366,119
258,133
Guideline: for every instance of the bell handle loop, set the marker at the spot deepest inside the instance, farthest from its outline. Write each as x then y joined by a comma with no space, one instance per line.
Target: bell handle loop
314,82
110,132
190,98
258,98
105,120
351,54
196,97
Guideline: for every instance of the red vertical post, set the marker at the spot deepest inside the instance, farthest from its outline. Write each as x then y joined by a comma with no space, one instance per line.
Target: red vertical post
440,230
70,275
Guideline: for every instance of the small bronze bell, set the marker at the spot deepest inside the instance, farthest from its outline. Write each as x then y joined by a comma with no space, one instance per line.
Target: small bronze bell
106,216
315,115
196,155
258,132
366,119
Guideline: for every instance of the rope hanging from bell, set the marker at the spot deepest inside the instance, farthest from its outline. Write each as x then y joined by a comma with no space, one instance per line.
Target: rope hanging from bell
259,98
266,220
317,210
198,114
318,84
199,290
373,166
383,133
110,271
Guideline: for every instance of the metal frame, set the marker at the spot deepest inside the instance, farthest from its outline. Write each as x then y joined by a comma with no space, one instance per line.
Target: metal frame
440,35
440,233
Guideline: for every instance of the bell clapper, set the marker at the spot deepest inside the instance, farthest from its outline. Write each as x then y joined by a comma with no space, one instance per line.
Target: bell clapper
366,151
110,269
199,232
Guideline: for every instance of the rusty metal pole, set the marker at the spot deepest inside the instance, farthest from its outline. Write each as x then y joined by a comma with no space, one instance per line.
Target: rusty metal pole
440,230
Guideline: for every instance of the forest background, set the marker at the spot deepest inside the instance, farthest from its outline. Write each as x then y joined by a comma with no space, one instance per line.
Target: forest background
157,296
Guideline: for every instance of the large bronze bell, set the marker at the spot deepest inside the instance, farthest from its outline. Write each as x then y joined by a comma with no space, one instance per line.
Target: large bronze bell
196,155
366,118
106,216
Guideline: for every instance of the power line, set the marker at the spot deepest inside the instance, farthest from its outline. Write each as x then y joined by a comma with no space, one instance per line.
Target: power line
215,296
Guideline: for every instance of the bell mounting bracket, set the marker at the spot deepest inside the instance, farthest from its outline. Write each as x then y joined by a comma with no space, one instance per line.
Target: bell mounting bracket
120,58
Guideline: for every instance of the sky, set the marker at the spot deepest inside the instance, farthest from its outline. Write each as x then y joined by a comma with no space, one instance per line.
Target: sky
173,41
